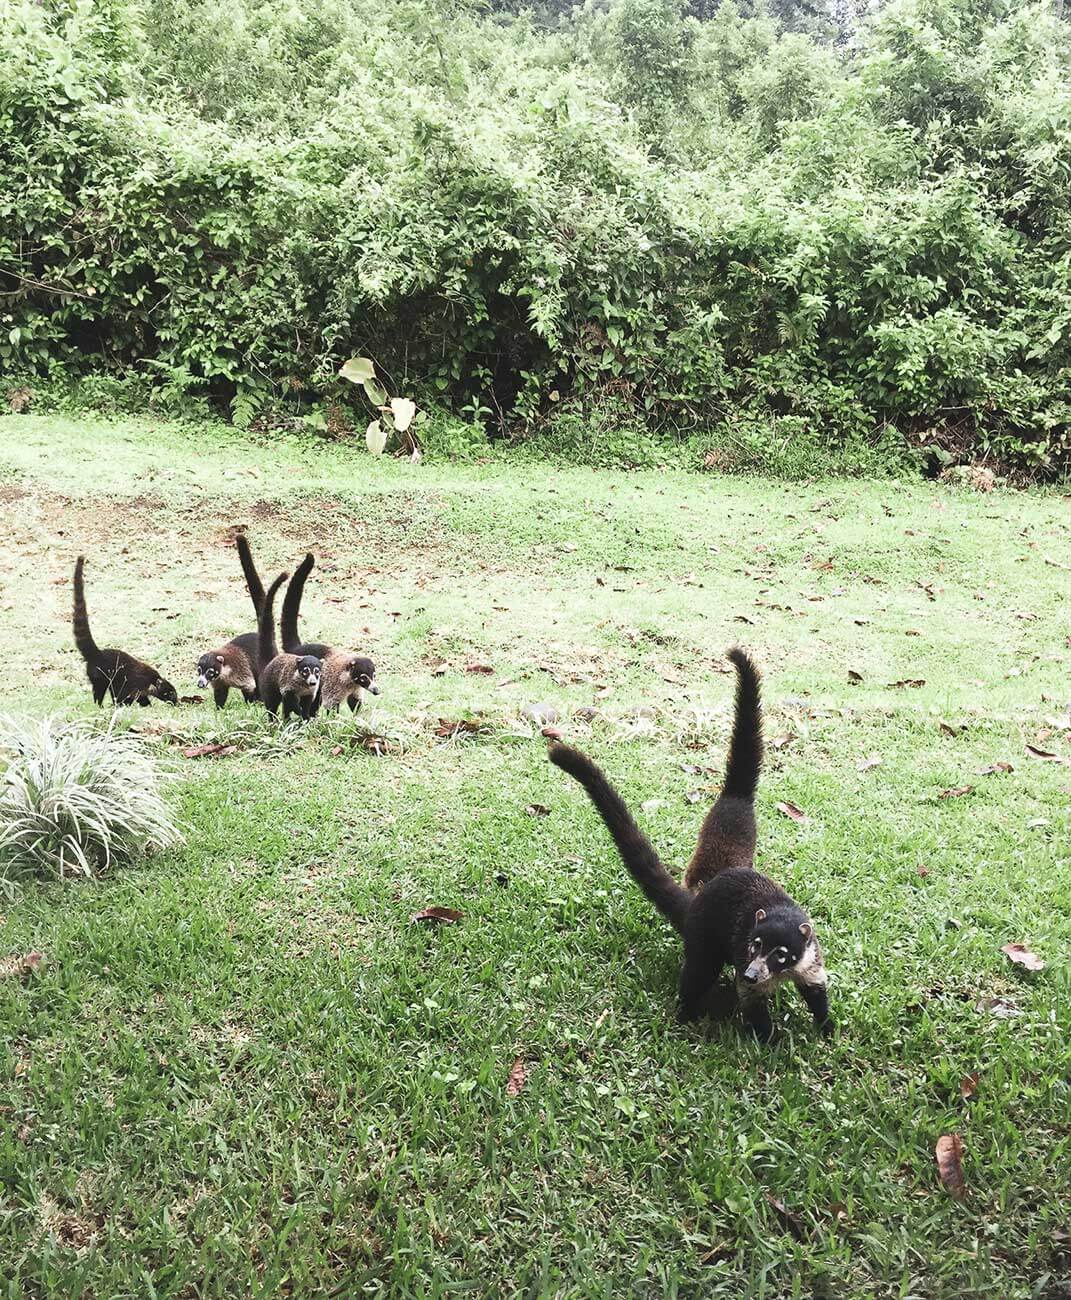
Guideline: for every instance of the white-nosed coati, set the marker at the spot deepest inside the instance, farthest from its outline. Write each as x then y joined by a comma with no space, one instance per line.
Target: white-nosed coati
235,664
127,679
735,916
346,676
292,680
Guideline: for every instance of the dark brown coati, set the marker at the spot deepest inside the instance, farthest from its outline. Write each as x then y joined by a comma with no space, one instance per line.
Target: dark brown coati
234,665
346,675
292,680
735,916
128,680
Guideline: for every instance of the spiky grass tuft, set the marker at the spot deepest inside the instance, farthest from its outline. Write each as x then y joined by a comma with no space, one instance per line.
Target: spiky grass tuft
76,800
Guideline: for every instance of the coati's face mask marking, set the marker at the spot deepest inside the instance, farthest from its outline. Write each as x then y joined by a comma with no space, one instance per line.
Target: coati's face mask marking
209,667
776,948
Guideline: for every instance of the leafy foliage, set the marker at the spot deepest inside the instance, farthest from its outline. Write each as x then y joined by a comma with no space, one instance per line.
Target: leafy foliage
75,800
716,223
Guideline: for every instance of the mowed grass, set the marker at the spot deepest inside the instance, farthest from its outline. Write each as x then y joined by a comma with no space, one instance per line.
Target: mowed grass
243,1070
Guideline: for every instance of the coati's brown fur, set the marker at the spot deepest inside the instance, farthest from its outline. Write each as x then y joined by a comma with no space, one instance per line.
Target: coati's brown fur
126,679
287,679
346,675
730,913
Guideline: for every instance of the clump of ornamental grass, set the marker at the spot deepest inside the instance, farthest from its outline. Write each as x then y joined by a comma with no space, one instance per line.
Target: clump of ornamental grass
76,800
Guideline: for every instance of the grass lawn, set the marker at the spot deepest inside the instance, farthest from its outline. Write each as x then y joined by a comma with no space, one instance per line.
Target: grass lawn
244,1071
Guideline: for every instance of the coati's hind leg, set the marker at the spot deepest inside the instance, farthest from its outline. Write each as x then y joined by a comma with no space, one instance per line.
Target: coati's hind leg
250,697
99,683
271,696
220,693
697,983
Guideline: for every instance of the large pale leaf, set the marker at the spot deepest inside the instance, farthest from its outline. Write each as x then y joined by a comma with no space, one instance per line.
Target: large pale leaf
357,370
376,438
403,411
375,392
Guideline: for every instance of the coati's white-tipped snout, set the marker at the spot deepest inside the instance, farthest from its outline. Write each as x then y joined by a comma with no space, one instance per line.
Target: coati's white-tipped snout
758,972
202,681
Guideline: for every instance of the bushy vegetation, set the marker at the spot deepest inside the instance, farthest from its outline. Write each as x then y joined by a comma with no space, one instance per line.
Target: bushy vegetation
768,228
75,800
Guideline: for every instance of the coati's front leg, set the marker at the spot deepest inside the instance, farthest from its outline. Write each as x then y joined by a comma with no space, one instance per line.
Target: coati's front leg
755,1009
355,703
817,1000
220,693
697,982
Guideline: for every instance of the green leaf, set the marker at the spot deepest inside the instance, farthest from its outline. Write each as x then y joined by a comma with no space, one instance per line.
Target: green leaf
357,370
403,411
375,392
376,438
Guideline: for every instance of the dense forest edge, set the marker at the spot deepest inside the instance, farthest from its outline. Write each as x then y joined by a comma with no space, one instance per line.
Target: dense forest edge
775,237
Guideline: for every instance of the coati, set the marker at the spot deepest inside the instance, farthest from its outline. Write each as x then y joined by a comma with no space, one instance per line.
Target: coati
729,914
127,679
235,664
346,676
293,680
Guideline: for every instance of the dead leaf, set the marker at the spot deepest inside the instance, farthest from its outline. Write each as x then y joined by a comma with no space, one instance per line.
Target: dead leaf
479,668
551,733
994,768
922,870
440,669
790,810
1022,956
537,810
968,1086
569,547
788,1218
949,1155
955,792
854,677
209,751
448,728
19,967
998,1008
693,796
950,728
908,681
441,914
191,699
865,764
1045,754
518,1077
781,742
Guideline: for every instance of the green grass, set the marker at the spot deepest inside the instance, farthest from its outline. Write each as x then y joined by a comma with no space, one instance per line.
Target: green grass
243,1071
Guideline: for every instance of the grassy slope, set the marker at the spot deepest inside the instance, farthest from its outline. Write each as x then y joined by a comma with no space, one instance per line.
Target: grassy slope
244,1072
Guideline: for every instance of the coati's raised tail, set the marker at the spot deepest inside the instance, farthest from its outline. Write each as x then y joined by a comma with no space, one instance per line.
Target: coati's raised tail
635,848
252,578
290,680
730,914
288,619
83,637
745,749
728,834
126,679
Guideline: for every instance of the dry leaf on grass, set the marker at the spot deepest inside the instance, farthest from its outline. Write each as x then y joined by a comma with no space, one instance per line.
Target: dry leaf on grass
994,768
968,1086
479,668
790,810
954,792
209,751
865,764
1020,955
1047,755
788,1218
854,677
998,1008
517,1078
444,915
449,728
551,733
781,742
537,810
950,728
29,963
949,1153
914,682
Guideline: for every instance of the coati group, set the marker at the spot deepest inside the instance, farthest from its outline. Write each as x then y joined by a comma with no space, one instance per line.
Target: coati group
726,912
301,679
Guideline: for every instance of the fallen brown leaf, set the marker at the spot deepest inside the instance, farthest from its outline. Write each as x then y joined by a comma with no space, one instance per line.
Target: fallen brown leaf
1022,956
208,751
781,742
949,1155
1047,755
950,728
790,810
788,1218
517,1078
449,728
479,668
693,796
908,681
854,677
955,792
537,810
968,1086
21,966
440,914
994,768
191,699
551,733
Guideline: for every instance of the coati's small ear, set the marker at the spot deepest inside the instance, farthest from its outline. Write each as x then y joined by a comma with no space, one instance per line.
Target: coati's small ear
806,930
760,915
219,659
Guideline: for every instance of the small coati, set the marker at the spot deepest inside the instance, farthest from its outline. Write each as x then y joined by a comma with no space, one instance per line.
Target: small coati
346,676
127,679
729,914
292,680
235,664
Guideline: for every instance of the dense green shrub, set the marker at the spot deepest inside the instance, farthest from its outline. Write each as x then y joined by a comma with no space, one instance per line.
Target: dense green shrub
709,224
